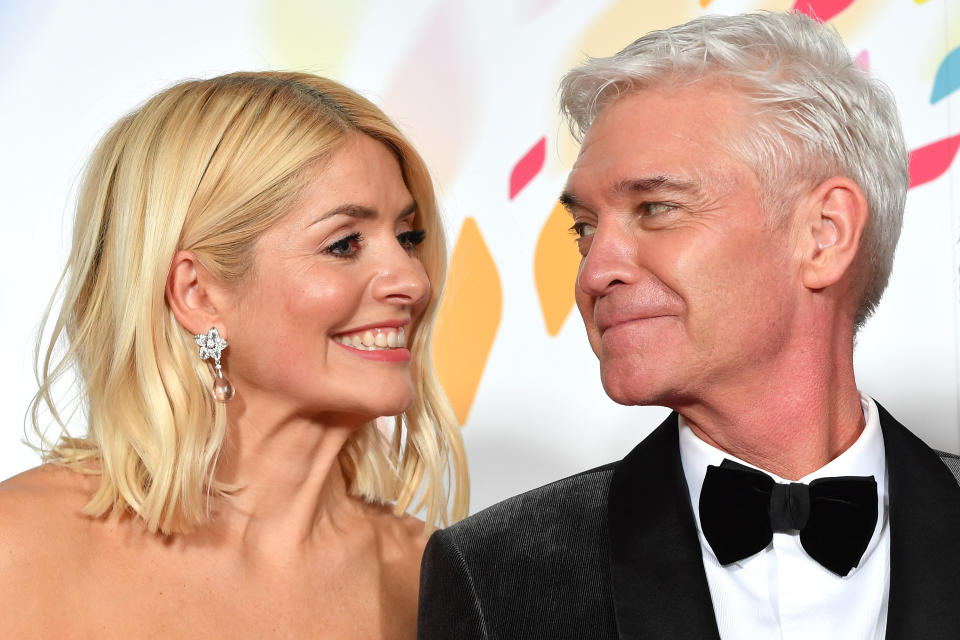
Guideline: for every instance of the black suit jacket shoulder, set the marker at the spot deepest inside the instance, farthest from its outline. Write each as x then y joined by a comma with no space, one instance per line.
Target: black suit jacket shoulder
536,563
614,553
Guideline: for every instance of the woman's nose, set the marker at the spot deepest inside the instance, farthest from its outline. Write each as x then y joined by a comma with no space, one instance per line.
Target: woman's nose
401,280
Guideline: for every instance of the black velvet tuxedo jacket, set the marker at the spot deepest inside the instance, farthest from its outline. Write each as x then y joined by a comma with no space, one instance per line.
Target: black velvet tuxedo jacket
614,553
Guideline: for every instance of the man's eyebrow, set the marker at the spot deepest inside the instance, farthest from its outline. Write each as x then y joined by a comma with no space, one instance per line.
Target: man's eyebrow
570,201
361,212
656,183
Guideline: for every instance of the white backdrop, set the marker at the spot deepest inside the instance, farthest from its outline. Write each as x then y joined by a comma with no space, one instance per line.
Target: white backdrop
473,83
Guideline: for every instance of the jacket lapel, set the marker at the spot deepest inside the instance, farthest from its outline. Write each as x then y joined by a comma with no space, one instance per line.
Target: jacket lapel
924,538
659,584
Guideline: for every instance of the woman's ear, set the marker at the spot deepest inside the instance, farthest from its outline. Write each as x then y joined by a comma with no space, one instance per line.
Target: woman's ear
194,295
836,214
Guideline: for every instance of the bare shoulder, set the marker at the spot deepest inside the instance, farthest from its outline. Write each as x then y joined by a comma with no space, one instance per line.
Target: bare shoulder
400,543
401,536
41,530
45,496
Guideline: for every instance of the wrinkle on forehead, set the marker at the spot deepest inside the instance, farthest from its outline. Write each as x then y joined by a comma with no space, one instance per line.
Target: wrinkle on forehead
682,143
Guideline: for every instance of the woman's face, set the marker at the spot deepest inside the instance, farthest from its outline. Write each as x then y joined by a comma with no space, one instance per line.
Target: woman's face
321,322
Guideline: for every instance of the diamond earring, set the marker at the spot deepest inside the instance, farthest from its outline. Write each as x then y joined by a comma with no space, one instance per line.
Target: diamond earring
211,346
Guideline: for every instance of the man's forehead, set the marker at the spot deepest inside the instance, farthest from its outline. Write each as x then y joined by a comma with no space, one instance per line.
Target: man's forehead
703,111
655,141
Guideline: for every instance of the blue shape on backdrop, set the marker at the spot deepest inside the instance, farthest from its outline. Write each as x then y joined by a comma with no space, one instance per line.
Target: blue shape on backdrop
948,77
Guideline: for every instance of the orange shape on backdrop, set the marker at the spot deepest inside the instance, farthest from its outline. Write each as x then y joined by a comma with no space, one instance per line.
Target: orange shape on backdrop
705,3
468,319
555,265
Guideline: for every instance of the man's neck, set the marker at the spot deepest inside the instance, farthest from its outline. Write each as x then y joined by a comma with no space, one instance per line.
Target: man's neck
791,418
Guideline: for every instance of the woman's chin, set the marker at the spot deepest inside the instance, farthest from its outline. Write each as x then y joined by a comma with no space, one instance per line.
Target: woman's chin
384,407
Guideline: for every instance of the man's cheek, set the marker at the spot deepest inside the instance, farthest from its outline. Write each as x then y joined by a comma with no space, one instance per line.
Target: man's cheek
585,307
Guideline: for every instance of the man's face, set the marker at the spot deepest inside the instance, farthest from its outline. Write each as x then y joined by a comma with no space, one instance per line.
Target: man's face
685,287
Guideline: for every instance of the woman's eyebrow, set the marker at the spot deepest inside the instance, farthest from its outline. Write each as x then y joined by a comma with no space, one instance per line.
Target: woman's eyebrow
352,210
361,212
407,211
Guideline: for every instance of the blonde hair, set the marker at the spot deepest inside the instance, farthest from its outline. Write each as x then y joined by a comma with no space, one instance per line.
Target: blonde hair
207,166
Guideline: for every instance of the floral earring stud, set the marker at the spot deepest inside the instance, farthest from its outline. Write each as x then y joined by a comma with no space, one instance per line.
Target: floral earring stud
211,346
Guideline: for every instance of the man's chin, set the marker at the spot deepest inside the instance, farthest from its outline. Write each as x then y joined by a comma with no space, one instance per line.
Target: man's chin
630,390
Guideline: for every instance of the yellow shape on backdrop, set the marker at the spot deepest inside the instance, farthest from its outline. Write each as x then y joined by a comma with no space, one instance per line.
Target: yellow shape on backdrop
619,25
311,36
555,265
468,319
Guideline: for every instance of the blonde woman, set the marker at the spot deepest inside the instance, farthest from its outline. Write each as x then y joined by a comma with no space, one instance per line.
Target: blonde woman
254,276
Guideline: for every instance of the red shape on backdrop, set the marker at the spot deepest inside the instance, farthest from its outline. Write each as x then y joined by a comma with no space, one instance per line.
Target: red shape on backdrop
528,167
930,162
821,10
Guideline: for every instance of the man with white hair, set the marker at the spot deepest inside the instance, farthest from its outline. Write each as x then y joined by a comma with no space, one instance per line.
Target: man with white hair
738,197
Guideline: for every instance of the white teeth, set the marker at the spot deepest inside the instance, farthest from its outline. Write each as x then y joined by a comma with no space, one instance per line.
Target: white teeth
375,339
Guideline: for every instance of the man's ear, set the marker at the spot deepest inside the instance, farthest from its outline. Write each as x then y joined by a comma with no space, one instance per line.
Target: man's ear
194,295
834,214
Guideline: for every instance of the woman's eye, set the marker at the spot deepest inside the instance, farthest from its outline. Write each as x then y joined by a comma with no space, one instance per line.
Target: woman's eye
345,247
582,230
410,239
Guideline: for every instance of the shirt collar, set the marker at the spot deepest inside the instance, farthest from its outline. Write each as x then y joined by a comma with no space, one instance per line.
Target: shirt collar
865,457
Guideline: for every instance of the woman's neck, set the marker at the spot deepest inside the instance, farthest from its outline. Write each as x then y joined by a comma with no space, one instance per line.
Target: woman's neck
290,487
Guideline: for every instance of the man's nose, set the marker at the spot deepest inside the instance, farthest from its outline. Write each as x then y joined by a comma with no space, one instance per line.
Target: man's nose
611,260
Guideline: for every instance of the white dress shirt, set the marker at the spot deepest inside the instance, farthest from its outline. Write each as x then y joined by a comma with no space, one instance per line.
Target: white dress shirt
781,592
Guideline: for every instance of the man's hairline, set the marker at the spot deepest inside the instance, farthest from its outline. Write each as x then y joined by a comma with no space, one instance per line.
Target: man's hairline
627,87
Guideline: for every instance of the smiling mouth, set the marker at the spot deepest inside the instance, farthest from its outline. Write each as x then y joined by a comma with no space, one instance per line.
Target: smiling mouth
377,339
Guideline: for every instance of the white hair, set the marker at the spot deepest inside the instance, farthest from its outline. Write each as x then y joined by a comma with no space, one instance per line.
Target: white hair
819,115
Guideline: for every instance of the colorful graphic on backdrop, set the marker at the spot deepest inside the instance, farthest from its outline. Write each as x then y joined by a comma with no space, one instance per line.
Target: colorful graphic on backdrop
948,77
822,10
930,162
555,265
468,319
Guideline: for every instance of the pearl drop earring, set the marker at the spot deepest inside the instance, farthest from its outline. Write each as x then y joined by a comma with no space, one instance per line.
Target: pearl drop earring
211,346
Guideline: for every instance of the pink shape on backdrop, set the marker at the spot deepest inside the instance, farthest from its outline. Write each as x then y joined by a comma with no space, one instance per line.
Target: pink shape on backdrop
430,93
530,9
821,10
930,162
863,60
528,167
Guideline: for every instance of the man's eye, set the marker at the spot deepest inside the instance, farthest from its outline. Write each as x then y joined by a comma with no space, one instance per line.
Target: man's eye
582,230
345,247
656,208
410,239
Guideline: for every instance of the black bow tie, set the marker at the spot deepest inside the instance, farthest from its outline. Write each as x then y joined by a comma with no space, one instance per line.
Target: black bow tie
741,508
